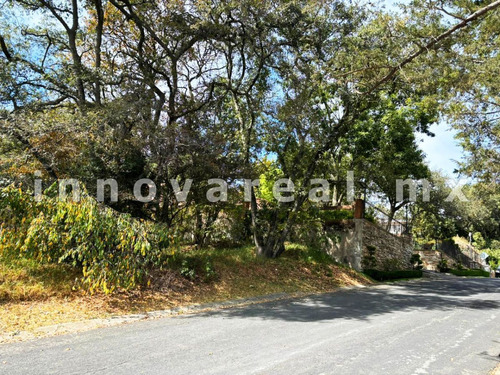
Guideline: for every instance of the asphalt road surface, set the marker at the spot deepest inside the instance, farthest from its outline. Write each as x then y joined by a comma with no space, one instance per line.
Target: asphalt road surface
430,327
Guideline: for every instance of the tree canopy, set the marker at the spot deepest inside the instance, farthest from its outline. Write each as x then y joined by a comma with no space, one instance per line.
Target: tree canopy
185,89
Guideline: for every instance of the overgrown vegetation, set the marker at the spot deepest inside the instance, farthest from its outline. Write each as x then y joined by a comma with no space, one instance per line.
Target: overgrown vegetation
34,294
112,250
447,220
184,91
117,96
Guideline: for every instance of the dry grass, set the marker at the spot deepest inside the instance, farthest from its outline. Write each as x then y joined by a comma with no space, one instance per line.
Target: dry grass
32,296
26,280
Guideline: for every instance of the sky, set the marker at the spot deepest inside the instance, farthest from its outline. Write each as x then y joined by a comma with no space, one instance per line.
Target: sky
442,150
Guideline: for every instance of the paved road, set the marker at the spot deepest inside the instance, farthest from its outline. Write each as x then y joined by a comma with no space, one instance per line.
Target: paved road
431,327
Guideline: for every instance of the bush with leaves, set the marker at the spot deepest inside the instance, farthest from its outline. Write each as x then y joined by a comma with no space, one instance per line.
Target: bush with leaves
114,251
416,262
442,266
369,261
193,268
392,275
462,272
392,264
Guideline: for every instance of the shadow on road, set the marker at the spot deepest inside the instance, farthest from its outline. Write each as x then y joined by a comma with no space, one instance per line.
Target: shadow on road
477,294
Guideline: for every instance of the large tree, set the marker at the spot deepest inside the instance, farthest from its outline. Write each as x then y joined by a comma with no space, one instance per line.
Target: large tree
184,89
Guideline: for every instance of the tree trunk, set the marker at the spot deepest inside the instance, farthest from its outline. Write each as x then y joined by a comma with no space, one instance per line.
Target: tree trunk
272,245
198,232
390,218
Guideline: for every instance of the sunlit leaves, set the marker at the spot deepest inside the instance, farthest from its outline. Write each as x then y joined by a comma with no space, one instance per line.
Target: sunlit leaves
114,251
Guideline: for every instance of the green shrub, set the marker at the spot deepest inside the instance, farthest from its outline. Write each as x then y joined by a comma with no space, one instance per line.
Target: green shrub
210,272
307,254
336,215
470,273
442,266
391,265
112,250
392,275
188,270
416,262
370,216
193,268
369,261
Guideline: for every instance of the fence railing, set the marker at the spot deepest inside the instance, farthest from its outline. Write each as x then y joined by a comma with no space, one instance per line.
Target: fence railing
470,258
397,227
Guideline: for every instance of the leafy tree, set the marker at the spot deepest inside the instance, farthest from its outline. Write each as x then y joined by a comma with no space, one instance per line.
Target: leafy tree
189,89
443,218
393,153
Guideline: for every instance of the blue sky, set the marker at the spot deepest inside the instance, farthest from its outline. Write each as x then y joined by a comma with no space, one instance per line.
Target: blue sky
442,150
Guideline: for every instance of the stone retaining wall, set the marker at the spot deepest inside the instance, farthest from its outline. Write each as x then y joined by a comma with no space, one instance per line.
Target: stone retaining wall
349,246
391,251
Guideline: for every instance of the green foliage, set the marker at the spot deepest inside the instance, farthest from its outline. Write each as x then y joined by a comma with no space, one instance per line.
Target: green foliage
370,216
391,264
113,251
392,275
461,272
232,228
187,270
494,263
308,254
443,265
193,267
416,262
324,86
210,272
494,256
472,103
440,218
336,215
267,180
392,151
369,261
479,241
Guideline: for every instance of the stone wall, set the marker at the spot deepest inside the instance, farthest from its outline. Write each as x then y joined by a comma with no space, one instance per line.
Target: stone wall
348,245
345,244
431,258
391,251
463,254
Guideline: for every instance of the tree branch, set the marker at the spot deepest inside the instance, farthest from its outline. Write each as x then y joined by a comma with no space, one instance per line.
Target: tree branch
5,50
422,50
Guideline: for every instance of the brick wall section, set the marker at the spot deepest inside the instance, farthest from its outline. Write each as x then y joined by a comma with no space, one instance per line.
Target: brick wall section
349,246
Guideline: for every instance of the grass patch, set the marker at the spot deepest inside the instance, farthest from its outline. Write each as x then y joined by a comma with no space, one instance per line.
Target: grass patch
27,280
470,273
34,295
